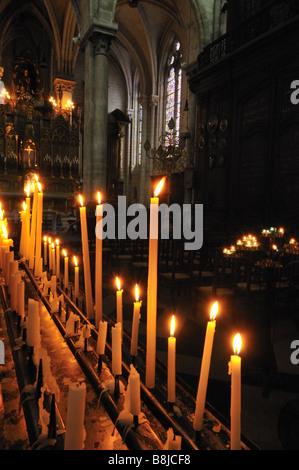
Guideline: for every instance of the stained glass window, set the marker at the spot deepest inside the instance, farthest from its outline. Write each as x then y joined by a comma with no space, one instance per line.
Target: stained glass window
174,89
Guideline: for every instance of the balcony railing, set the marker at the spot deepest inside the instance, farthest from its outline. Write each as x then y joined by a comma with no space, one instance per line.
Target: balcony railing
279,13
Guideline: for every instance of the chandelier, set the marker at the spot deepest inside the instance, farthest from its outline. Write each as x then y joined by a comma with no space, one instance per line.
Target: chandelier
170,155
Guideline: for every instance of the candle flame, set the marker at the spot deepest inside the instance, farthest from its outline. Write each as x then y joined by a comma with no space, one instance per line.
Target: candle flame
57,241
99,197
64,253
53,246
214,311
49,240
237,343
4,230
39,187
45,238
27,190
36,177
118,283
24,206
136,293
81,200
159,186
75,261
172,325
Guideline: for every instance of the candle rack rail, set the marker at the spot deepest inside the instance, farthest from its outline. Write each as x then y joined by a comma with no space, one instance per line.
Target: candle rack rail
162,415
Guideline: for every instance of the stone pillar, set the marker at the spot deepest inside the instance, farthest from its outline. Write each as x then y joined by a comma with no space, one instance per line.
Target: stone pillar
88,120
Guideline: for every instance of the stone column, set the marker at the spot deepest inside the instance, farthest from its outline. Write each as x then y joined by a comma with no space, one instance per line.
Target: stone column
95,113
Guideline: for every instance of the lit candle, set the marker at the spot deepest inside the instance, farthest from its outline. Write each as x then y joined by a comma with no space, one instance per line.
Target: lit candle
116,332
45,251
53,258
57,258
86,260
50,253
235,409
119,302
152,289
39,223
74,431
171,363
134,389
23,215
27,237
66,269
33,225
135,322
205,369
76,278
99,262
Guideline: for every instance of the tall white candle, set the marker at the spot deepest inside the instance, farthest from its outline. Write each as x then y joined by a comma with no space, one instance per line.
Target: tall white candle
86,260
171,396
235,410
135,323
76,293
99,263
53,259
33,225
173,442
57,249
45,251
134,390
116,332
39,222
14,280
205,369
151,326
66,270
50,253
102,336
74,432
27,236
119,302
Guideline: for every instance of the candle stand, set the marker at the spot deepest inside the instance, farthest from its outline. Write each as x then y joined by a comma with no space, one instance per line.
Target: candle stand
147,434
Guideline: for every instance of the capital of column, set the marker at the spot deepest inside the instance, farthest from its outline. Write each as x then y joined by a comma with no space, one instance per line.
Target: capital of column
101,43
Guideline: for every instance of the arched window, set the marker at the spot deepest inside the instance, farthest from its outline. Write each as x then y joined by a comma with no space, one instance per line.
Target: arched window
174,90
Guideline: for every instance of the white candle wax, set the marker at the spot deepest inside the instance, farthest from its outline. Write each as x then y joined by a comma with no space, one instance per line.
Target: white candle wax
39,222
54,285
74,433
102,335
135,328
33,228
171,396
152,297
14,280
99,264
86,263
13,268
235,410
173,442
205,370
45,252
134,389
116,333
57,260
9,255
66,272
76,293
